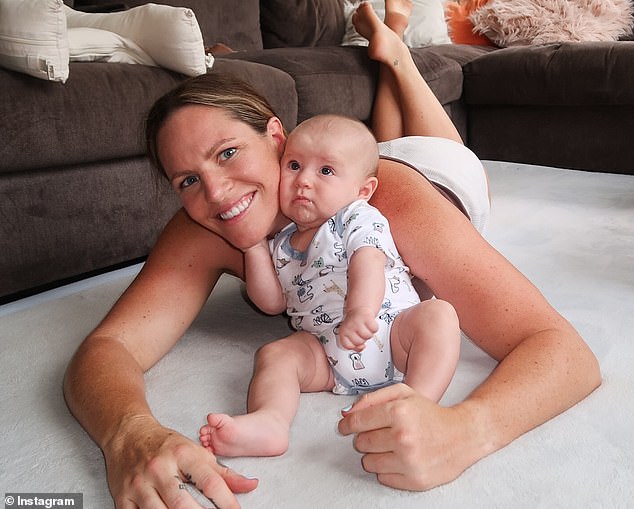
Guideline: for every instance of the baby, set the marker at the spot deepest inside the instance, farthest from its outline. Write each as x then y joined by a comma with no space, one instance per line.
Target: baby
336,271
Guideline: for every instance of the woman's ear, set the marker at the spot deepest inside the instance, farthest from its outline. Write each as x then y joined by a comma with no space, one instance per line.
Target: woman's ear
276,131
367,189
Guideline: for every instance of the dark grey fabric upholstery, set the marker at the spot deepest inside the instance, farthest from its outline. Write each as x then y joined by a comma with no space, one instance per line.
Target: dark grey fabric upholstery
76,191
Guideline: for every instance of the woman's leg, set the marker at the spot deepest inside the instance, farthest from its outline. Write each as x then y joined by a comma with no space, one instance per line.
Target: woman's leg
404,104
283,369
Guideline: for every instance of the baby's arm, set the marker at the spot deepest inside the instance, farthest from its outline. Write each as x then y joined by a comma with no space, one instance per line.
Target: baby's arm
366,290
263,287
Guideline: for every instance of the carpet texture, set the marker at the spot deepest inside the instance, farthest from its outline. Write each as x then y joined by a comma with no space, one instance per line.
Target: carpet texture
571,232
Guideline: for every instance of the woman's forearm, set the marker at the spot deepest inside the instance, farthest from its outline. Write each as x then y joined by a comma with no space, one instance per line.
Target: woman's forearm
103,387
544,375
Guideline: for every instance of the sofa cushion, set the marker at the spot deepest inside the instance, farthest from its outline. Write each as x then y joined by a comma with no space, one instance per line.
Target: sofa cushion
236,24
342,79
294,23
99,113
274,84
170,36
34,39
599,73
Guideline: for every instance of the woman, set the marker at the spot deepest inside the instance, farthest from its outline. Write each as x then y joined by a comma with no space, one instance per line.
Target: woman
227,174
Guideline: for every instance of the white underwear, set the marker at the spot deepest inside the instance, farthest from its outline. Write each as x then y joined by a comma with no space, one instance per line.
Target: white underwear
448,164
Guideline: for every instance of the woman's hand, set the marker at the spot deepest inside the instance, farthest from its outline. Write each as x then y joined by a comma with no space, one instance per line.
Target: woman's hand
409,441
148,466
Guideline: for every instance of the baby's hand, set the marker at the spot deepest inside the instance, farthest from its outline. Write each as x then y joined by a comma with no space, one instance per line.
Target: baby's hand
357,327
263,244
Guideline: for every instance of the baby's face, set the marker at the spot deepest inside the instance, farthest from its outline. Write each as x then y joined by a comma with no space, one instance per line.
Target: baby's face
319,175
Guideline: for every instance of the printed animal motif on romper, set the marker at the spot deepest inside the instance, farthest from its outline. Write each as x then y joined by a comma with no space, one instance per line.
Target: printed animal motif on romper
395,283
304,292
339,251
321,317
388,317
373,241
357,364
318,263
378,343
337,226
281,263
328,269
335,288
378,227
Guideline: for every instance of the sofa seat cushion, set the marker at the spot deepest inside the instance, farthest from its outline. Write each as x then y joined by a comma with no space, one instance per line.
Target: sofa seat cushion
342,80
564,74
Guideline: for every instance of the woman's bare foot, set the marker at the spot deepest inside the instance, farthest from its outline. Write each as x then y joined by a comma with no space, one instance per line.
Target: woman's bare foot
254,434
397,13
384,43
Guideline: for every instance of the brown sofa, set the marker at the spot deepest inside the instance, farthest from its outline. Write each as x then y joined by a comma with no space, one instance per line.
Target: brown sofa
79,197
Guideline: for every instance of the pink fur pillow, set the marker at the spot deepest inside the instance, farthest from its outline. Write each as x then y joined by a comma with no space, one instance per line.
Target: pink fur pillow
525,22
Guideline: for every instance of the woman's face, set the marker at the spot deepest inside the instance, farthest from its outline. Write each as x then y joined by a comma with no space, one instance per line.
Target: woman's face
226,174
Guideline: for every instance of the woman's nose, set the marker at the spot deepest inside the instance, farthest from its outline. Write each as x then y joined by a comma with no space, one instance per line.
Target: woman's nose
215,188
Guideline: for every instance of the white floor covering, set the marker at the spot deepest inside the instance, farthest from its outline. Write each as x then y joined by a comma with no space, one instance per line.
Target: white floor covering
571,232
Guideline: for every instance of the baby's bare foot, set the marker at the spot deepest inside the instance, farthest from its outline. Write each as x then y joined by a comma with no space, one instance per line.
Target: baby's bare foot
254,434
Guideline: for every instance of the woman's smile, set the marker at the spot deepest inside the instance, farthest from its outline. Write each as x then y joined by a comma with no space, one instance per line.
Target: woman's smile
237,209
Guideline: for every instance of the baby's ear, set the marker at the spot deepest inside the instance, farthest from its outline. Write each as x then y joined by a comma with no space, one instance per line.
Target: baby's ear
367,189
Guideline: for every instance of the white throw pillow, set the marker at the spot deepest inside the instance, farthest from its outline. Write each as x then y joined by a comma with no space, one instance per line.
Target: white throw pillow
95,45
33,38
169,35
427,23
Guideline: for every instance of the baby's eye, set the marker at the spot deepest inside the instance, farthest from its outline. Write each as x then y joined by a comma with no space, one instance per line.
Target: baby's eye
293,165
228,153
188,181
326,171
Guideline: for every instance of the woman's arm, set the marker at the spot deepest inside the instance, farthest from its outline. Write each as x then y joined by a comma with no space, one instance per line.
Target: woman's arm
263,285
104,384
545,367
366,291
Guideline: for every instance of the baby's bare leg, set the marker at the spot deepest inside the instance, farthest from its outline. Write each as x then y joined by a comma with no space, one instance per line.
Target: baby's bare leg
425,342
283,369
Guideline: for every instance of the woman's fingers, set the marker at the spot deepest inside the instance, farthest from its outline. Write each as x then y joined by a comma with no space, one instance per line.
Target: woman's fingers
371,411
217,482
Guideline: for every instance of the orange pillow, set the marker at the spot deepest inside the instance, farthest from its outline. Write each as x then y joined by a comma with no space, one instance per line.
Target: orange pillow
460,26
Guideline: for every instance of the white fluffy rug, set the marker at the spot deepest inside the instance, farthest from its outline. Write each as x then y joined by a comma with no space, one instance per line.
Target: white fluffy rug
571,232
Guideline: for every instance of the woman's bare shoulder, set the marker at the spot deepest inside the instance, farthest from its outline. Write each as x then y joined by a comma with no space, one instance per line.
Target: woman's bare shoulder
183,242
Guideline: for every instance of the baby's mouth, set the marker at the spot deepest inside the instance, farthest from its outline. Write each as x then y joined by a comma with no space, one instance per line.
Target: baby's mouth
237,209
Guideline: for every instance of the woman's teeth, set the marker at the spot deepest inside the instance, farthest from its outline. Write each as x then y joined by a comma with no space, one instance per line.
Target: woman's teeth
237,209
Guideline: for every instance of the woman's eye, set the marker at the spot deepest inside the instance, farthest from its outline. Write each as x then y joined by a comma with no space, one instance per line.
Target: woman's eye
188,181
326,171
228,153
